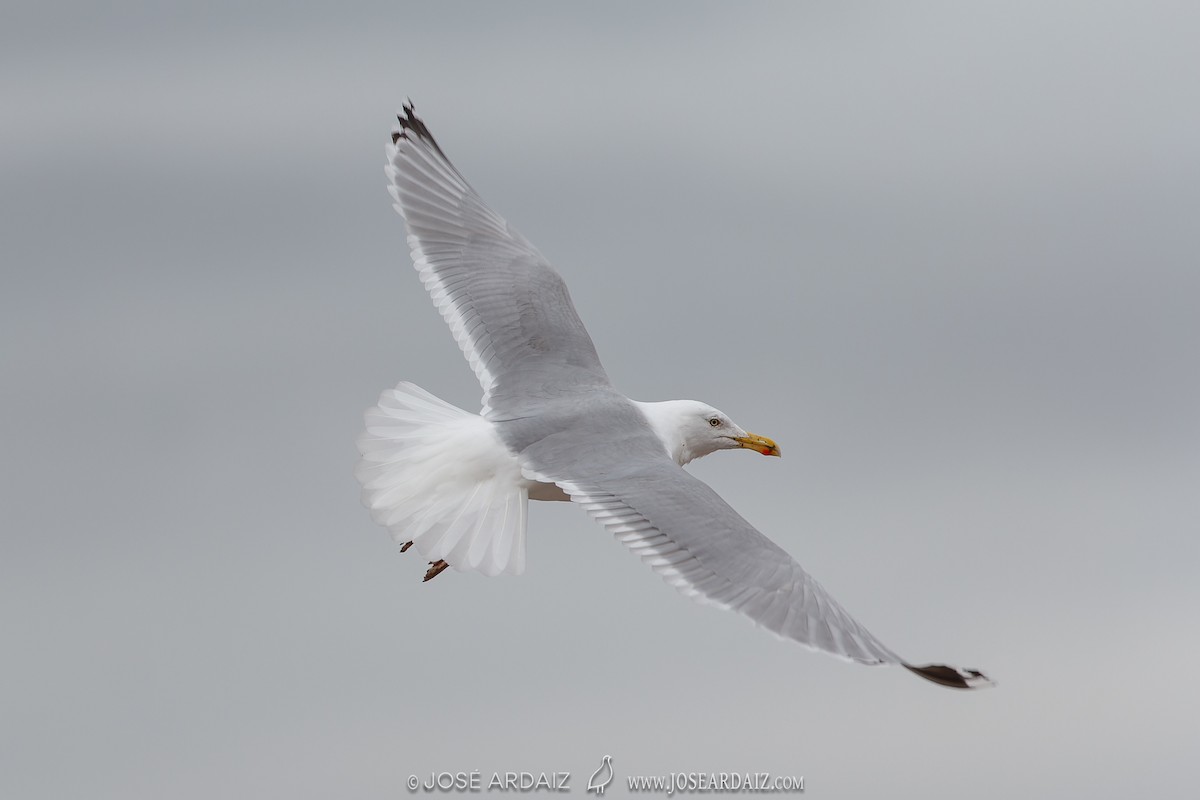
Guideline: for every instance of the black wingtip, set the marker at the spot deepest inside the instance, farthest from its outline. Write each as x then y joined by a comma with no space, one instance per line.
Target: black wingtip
953,677
412,125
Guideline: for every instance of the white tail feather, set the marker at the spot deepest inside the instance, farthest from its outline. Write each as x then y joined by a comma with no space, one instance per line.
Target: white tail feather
440,477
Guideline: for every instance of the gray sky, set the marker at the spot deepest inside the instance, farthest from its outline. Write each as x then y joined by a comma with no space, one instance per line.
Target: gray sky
944,253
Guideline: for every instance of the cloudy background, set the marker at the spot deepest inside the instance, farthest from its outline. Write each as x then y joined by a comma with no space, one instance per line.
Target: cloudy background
944,253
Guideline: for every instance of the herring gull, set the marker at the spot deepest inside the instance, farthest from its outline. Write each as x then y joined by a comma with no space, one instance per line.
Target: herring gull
456,485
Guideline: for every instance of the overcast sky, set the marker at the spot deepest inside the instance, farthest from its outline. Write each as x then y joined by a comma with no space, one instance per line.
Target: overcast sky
944,253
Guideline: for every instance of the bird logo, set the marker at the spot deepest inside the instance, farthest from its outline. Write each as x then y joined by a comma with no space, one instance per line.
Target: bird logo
602,777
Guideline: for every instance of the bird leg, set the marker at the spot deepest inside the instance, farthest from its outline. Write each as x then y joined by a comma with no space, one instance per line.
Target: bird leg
435,569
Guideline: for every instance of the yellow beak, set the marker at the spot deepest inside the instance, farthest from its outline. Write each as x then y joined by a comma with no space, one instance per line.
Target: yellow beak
752,441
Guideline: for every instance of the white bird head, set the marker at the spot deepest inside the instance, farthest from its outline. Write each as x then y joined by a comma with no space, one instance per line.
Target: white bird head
689,429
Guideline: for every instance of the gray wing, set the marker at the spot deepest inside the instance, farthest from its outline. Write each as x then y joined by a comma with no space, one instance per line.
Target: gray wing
706,550
508,309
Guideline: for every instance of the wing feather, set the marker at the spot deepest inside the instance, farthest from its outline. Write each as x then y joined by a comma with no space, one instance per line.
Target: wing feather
697,543
508,309
688,535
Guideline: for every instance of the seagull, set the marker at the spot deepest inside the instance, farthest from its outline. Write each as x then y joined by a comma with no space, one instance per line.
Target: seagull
598,784
456,485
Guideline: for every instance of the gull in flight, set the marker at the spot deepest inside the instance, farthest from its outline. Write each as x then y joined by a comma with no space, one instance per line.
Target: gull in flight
456,485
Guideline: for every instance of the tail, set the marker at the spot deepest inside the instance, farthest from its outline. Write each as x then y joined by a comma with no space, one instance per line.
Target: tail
440,477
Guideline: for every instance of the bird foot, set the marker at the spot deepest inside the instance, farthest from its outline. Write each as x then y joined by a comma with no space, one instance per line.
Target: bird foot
435,569
404,547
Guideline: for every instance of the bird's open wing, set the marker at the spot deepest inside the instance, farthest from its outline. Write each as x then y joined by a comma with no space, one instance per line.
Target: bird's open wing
705,549
508,309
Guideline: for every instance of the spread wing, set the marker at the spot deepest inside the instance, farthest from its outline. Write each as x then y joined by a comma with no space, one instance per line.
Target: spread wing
508,309
705,549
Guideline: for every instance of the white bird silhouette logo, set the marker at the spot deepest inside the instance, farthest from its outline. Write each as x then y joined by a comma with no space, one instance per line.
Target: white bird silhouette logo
602,777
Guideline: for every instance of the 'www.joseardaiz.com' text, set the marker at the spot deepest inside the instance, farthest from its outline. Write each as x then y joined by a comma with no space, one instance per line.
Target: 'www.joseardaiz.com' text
715,783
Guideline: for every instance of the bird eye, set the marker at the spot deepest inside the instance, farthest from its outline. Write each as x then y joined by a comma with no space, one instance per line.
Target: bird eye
716,423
